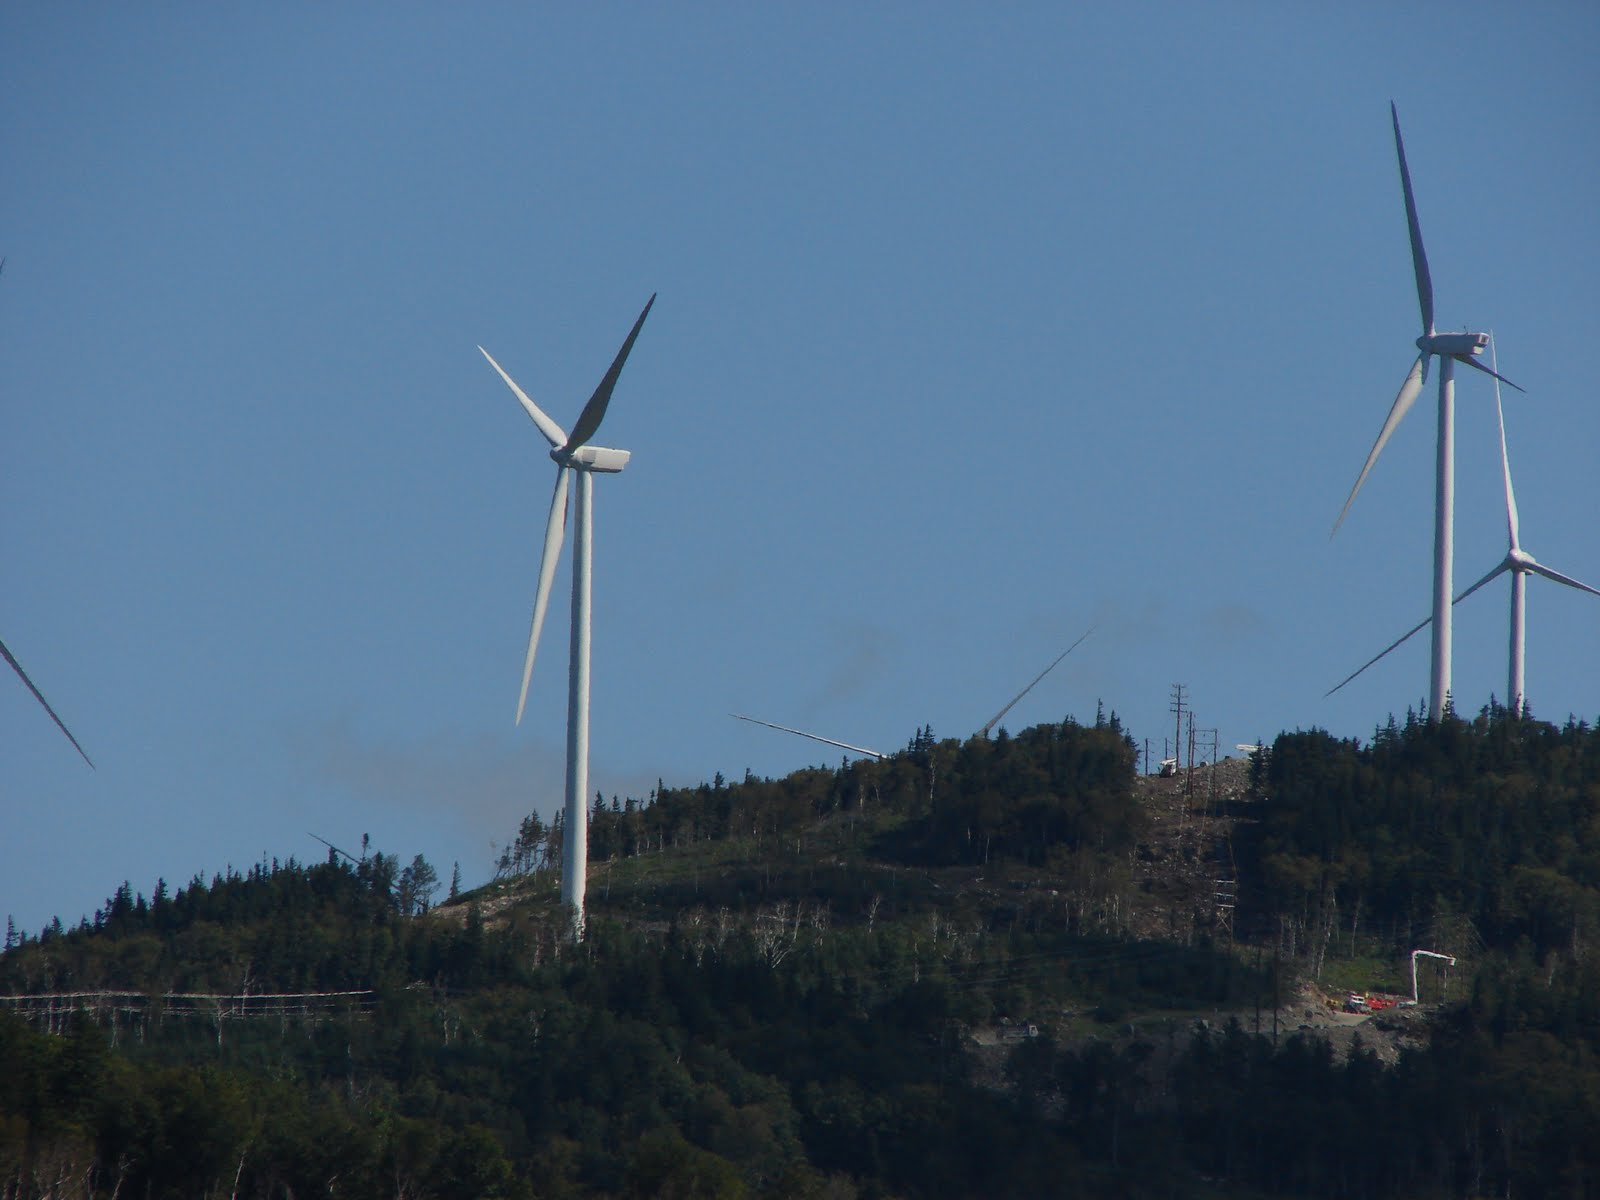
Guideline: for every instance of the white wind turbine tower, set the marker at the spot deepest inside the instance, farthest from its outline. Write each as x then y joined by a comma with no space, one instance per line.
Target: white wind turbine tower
1449,348
1521,564
573,454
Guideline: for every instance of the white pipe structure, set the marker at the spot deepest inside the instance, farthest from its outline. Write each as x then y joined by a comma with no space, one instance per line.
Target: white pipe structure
1449,348
1416,954
572,454
1520,564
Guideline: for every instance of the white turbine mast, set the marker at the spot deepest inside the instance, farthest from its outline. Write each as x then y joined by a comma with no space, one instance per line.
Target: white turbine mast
1449,348
39,696
815,737
1520,564
573,454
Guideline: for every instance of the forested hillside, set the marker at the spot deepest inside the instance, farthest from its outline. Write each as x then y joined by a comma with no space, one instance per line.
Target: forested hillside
970,969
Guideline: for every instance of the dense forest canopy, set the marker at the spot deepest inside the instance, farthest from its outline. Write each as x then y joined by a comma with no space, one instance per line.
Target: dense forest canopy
930,975
1494,822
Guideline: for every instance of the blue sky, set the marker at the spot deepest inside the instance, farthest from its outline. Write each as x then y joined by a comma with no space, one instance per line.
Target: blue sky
977,326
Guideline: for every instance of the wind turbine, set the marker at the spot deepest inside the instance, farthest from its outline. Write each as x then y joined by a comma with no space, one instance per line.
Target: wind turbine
1449,348
573,455
39,696
1521,564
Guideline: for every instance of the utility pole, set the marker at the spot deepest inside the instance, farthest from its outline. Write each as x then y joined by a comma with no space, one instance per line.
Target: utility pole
1188,779
1257,989
1206,740
1224,899
1177,709
1276,943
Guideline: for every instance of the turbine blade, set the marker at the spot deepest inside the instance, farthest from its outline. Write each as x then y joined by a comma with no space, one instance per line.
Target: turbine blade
815,737
1423,624
1419,256
39,696
1409,391
1512,524
334,848
552,432
995,720
1478,366
1558,577
555,531
594,411
1505,565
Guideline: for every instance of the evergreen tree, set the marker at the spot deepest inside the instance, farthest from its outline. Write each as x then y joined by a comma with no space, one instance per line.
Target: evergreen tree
417,884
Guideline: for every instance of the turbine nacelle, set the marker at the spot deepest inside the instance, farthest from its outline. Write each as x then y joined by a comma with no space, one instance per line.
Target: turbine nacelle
1456,345
592,458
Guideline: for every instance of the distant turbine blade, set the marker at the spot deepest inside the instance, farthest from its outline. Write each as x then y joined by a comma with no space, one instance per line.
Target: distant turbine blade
334,848
1512,524
1409,391
554,532
594,411
552,432
995,720
1478,366
1419,256
1558,577
39,696
1421,625
1504,566
815,737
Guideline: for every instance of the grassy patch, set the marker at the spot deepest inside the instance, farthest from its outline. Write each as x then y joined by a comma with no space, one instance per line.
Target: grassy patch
1365,973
